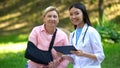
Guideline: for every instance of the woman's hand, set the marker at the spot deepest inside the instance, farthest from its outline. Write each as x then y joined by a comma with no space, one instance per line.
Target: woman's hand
78,53
53,64
59,54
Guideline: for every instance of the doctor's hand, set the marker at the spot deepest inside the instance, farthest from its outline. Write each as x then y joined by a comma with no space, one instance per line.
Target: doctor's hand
78,52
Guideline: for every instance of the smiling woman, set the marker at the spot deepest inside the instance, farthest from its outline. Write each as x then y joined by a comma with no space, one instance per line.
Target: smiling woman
41,37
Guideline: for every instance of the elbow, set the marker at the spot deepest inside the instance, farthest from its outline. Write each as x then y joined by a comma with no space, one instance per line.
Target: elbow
100,58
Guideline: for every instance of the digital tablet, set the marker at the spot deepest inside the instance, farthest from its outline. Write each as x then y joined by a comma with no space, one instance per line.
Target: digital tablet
64,49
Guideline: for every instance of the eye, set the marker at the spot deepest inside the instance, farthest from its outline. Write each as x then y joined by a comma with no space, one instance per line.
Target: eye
49,16
54,16
71,14
77,13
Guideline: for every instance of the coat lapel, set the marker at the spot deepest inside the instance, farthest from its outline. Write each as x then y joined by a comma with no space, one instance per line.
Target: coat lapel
74,38
80,40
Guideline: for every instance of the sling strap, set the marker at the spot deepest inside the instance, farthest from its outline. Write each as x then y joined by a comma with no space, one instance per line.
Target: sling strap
52,41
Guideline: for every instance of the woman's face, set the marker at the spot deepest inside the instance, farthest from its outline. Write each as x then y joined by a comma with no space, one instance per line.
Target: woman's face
51,19
76,16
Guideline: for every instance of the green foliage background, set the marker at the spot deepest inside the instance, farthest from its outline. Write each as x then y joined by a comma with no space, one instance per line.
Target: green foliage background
18,17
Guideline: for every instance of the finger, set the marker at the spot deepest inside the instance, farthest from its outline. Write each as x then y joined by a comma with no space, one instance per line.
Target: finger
72,51
50,65
59,54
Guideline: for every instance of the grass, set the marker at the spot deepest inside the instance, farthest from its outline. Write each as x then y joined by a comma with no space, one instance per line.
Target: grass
12,54
12,49
11,57
12,60
13,38
112,55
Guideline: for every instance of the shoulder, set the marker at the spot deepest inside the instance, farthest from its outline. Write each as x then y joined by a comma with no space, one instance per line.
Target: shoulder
92,29
62,31
36,28
93,32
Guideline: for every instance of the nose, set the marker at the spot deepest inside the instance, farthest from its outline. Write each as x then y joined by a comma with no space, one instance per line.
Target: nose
73,16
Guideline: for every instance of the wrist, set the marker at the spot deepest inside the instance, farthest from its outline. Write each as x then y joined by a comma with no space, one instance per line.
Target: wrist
83,53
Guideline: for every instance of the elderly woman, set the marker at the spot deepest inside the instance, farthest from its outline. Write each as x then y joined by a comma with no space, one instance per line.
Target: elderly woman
41,36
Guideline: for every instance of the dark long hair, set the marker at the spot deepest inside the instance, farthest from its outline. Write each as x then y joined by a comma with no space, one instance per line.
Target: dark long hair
84,11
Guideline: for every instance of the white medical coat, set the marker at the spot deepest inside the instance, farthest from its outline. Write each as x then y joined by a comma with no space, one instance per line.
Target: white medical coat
92,44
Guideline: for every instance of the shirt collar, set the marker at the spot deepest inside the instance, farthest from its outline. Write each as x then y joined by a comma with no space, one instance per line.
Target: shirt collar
43,27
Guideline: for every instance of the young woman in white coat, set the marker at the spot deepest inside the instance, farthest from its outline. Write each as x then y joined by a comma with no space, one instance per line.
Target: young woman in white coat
85,38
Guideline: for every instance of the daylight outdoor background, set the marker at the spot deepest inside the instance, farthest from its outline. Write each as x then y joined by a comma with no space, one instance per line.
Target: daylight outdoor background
18,17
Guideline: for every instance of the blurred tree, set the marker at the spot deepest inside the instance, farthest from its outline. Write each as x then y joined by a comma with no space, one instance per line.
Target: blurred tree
101,11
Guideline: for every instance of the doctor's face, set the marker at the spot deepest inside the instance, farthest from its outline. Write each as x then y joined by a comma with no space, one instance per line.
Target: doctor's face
76,16
51,18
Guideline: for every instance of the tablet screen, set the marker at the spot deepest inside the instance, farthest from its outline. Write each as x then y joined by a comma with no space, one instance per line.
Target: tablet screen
64,49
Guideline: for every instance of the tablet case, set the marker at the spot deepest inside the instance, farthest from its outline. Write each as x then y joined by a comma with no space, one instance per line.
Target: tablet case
64,49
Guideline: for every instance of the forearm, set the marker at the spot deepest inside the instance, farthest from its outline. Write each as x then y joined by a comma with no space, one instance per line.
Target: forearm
92,56
85,54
